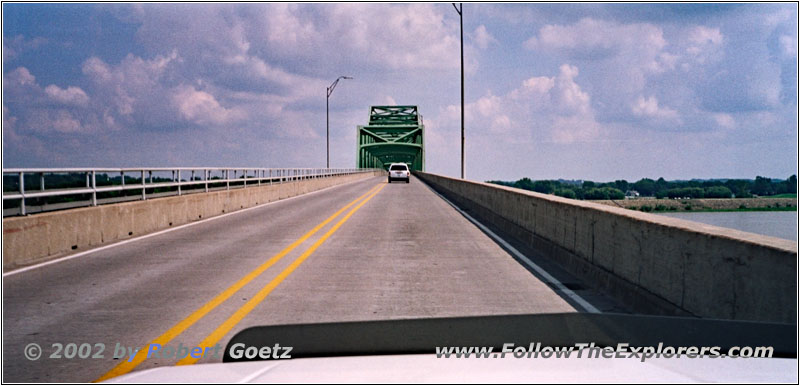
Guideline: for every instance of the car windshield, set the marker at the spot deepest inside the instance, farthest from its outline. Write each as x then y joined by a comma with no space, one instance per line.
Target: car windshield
619,175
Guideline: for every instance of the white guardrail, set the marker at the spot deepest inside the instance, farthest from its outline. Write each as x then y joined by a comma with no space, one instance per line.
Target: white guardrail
116,184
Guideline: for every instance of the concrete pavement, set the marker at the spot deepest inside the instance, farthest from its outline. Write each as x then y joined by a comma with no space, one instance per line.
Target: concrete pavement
403,253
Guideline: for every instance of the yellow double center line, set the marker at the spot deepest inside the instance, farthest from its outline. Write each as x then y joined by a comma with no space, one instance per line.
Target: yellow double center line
237,316
226,326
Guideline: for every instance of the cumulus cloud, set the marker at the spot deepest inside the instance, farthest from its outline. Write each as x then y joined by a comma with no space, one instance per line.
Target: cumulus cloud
638,71
725,120
406,36
20,76
201,107
621,57
411,36
14,46
55,121
541,108
64,122
569,95
44,110
97,69
597,39
705,43
286,26
702,35
134,88
71,95
649,107
482,37
788,45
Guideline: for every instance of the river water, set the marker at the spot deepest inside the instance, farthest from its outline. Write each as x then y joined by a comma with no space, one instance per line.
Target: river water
777,224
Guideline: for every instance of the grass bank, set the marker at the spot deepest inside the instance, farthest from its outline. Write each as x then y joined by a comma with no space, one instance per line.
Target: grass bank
761,204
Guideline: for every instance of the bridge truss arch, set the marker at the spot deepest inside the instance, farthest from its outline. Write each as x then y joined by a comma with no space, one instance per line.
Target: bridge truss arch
394,134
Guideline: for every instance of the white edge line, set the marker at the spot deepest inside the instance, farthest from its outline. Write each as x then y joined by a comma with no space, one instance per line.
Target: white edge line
568,292
98,249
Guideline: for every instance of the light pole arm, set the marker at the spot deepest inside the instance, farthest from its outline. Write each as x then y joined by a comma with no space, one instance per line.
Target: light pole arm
335,82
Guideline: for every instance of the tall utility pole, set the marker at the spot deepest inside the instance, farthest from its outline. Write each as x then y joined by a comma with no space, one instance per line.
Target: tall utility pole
460,9
328,121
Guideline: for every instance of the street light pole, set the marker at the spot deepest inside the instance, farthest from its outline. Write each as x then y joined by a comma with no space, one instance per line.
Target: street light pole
328,121
460,9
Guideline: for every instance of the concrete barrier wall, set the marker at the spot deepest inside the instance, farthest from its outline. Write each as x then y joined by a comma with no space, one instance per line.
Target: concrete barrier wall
40,237
653,264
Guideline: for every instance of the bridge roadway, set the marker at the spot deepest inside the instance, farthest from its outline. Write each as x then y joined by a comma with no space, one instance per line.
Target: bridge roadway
403,252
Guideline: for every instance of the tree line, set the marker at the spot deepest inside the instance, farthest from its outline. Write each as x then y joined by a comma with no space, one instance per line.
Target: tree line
660,188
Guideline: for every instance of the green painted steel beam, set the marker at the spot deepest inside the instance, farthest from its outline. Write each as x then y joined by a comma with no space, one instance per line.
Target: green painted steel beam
393,134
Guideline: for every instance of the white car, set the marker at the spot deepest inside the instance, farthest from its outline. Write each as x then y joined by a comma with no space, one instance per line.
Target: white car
399,171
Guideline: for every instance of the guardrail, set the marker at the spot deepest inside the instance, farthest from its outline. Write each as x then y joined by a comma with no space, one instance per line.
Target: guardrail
76,187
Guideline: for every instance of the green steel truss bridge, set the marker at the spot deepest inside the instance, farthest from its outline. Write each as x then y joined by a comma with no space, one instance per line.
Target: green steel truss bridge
394,134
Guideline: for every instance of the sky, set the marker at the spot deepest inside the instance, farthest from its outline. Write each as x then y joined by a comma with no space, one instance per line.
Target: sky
577,91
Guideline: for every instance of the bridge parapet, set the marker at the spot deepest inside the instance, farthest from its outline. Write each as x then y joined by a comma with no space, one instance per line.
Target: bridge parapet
653,264
44,236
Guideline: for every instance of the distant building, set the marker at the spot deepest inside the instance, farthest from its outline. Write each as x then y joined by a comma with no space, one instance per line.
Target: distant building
631,194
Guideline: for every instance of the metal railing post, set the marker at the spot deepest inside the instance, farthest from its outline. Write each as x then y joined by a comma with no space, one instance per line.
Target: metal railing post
227,179
205,177
94,188
179,181
22,193
144,187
